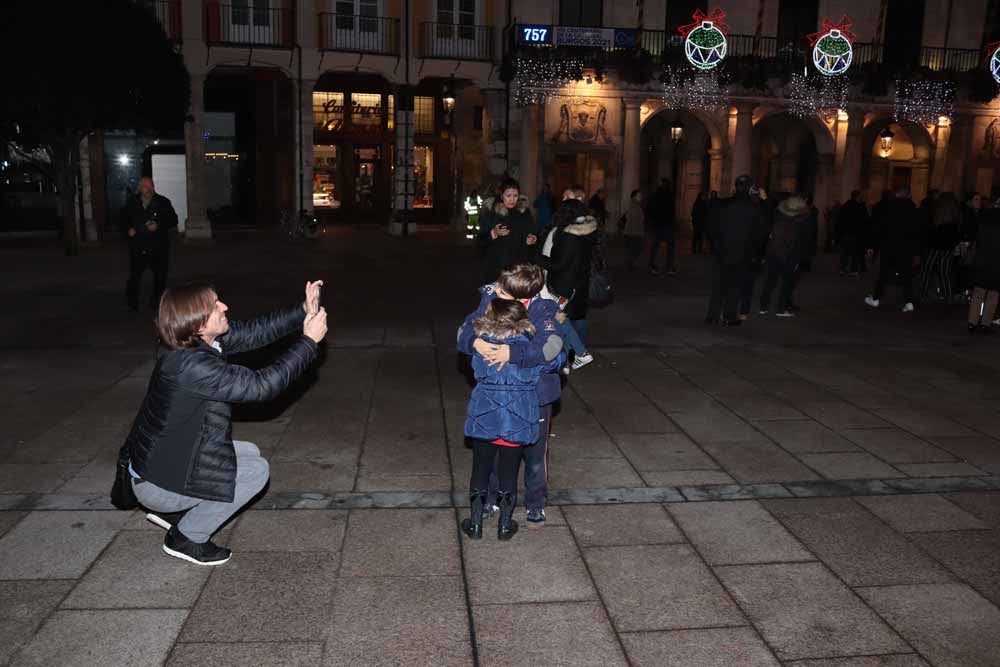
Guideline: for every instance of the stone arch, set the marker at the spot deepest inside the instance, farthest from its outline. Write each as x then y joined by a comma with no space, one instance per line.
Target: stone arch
884,172
821,132
712,123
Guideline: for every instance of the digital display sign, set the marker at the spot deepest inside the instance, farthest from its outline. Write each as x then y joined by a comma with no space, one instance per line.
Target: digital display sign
540,35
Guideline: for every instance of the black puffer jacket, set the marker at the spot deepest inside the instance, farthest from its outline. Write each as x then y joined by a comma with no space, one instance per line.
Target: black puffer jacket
181,440
570,265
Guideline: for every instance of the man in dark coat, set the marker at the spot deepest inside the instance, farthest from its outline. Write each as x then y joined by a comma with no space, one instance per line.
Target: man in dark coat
897,242
985,271
736,229
182,456
699,217
149,219
660,212
852,223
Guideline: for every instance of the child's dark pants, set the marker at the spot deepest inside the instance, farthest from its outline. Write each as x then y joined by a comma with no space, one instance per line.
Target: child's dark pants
508,463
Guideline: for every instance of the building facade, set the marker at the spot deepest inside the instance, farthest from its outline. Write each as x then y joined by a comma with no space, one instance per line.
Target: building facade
392,111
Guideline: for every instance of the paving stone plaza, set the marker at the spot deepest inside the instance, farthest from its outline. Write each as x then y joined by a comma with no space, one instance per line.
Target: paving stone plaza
816,492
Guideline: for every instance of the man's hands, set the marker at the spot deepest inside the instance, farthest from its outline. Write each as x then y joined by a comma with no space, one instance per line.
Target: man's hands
151,226
315,325
311,305
561,317
493,354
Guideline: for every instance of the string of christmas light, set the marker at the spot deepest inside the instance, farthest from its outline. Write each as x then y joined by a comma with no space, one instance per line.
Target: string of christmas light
831,96
801,96
809,97
535,78
924,102
701,92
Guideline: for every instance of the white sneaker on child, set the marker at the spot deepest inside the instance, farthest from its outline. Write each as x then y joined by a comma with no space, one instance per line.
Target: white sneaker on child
582,360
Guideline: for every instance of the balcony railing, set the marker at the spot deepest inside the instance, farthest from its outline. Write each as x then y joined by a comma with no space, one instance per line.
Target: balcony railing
960,60
230,25
168,13
358,34
457,42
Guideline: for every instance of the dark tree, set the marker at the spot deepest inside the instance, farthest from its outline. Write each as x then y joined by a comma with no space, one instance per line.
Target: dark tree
76,67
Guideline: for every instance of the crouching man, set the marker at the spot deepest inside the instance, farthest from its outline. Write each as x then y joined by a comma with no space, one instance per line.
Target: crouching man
183,457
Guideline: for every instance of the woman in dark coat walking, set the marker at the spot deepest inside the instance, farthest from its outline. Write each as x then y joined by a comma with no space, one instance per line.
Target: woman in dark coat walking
507,233
985,271
569,268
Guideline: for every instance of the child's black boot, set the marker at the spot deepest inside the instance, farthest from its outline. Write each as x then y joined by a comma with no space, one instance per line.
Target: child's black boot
473,526
506,526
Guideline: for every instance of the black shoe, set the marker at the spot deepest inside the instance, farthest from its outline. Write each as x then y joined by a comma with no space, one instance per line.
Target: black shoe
208,553
165,520
473,526
506,526
986,329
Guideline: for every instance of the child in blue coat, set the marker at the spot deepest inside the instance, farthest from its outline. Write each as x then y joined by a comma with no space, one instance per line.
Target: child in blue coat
503,414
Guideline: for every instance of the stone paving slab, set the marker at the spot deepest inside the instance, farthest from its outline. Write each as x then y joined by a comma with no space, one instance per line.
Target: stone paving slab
756,462
267,654
803,611
560,633
710,647
849,465
398,620
841,416
9,519
949,623
972,555
401,543
737,532
921,514
805,436
663,452
904,660
897,446
675,591
82,638
620,525
539,565
56,545
261,596
23,607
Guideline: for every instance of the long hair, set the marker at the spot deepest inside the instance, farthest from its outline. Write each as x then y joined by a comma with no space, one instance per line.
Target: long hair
183,312
504,318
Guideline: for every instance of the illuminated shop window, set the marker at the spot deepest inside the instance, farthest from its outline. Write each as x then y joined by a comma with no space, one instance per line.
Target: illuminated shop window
366,111
423,115
423,176
326,177
328,111
392,111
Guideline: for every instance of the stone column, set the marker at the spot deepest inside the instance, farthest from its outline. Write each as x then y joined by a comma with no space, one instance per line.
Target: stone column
941,138
86,195
715,169
631,159
742,142
197,227
403,184
919,179
304,158
823,197
493,129
850,169
959,154
529,158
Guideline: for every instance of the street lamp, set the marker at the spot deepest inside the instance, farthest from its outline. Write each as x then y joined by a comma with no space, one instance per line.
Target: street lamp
885,139
448,102
676,131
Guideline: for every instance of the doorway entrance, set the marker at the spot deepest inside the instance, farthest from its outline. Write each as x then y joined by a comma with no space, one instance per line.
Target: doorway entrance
589,170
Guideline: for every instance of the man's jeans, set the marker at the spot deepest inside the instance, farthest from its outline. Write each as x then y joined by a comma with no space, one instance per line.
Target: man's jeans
204,517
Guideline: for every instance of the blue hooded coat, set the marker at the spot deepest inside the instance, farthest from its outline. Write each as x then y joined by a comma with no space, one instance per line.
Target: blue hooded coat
504,402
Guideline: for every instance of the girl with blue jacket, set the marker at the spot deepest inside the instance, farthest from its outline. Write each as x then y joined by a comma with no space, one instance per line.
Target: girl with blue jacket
503,415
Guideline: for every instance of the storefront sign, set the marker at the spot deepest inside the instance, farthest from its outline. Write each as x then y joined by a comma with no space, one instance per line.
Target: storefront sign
598,38
539,35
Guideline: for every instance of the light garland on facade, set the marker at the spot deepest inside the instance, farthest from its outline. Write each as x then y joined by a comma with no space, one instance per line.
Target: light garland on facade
702,92
825,97
535,78
924,102
801,96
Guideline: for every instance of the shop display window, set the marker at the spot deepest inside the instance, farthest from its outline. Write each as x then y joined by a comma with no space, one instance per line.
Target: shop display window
328,111
423,176
423,115
326,177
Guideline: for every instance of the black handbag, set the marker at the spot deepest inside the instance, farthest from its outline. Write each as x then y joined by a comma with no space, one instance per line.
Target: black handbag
600,292
122,495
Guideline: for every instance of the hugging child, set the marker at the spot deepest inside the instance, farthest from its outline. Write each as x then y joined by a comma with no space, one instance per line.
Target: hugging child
503,414
524,283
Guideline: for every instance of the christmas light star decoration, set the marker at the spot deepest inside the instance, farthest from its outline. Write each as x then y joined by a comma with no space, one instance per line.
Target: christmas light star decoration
995,61
705,39
832,47
924,102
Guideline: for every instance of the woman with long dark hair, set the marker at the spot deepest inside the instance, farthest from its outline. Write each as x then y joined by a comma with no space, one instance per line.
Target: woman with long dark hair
507,232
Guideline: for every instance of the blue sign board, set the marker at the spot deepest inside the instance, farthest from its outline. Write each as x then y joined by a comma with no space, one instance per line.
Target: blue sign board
540,35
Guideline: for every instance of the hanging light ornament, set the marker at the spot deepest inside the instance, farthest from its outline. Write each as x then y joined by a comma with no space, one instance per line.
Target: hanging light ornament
537,78
701,92
801,96
924,102
832,47
995,61
705,39
831,96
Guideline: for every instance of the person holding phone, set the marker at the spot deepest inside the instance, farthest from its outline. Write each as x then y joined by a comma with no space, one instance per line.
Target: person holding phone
186,469
149,219
507,233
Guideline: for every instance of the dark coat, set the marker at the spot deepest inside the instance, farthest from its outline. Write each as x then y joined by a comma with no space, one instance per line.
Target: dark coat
504,402
853,220
699,212
181,440
570,265
660,210
986,264
902,229
789,225
737,229
505,251
135,216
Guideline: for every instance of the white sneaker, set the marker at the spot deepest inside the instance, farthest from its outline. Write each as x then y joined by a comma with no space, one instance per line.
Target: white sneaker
582,360
785,313
996,322
872,301
908,308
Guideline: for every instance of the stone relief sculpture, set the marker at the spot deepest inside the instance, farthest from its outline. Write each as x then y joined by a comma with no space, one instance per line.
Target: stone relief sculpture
991,143
582,121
